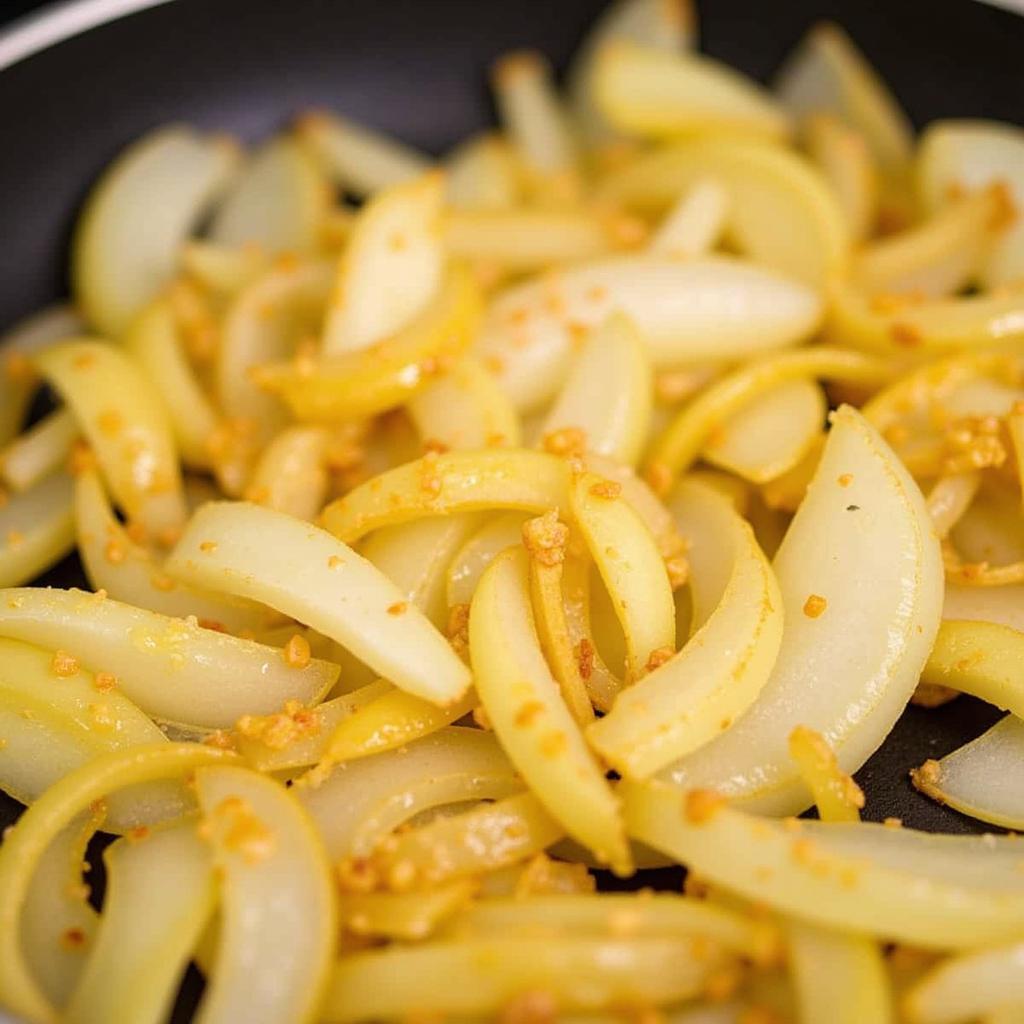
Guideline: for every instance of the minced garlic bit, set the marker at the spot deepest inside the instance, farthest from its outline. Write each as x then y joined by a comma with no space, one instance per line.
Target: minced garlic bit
297,653
845,479
236,827
208,547
63,664
701,805
545,538
220,739
973,442
398,608
585,658
293,723
927,777
815,606
658,657
678,569
570,441
606,489
335,562
458,627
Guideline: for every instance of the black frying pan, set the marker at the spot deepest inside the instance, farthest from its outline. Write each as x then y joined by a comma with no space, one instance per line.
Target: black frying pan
416,68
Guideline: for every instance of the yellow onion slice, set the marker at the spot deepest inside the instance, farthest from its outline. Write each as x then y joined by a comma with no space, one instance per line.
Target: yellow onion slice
278,201
26,843
653,93
122,254
699,692
1004,604
291,473
358,158
932,891
278,915
526,709
407,916
686,311
844,158
223,270
163,664
483,173
39,451
304,572
37,529
470,561
137,959
122,417
983,778
695,223
861,582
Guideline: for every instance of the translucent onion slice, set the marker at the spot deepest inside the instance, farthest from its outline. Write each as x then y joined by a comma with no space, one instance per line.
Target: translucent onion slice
827,73
358,158
781,211
122,416
694,225
685,312
391,267
627,557
688,434
861,582
980,658
264,324
668,25
942,255
354,385
415,557
131,573
470,561
825,963
407,916
17,382
26,843
465,408
291,474
452,482
58,923
577,974
41,450
535,122
844,158
653,93
152,339
983,778
223,270
969,987
137,959
37,529
932,891
163,664
1004,605
964,155
364,801
279,200
483,173
771,434
526,710
122,254
278,918
608,393
700,691
304,572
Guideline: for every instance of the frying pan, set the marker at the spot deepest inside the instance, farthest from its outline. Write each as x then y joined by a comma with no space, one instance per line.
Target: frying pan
80,80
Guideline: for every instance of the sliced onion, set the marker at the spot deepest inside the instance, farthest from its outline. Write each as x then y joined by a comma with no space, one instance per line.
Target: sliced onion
291,474
470,561
483,174
39,451
407,916
37,529
848,165
695,223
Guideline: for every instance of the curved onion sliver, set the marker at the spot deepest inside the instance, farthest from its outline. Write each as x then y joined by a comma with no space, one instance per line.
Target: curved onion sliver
278,910
1004,605
983,778
452,482
17,382
861,582
771,433
364,801
26,843
843,157
40,450
122,416
291,474
164,664
470,561
37,529
304,572
483,173
353,385
608,393
223,270
405,916
465,408
700,691
152,339
58,923
279,201
688,433
686,311
138,958
391,267
360,159
649,92
122,254
526,709
627,557
695,223
579,973
131,573
933,891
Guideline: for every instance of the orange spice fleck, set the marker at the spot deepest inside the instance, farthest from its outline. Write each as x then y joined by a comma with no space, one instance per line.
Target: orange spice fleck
565,441
701,805
845,479
658,657
104,681
208,547
815,606
335,562
278,731
114,552
678,569
73,939
906,335
482,719
110,422
63,664
532,1007
527,714
398,608
606,489
659,476
15,538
